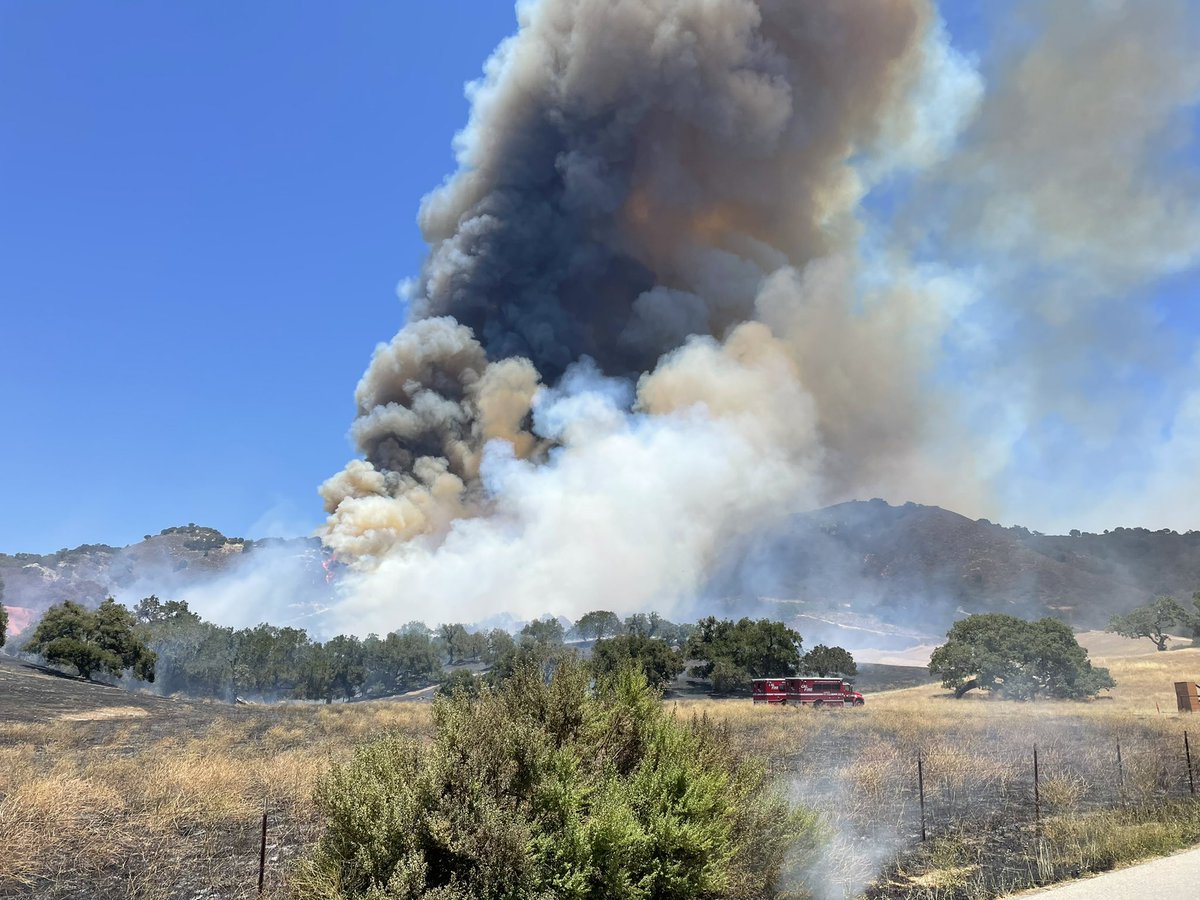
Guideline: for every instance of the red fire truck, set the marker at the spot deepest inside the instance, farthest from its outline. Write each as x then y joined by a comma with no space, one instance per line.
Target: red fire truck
809,690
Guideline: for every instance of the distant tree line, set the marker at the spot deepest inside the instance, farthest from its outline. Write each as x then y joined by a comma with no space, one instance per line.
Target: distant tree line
275,662
726,652
169,644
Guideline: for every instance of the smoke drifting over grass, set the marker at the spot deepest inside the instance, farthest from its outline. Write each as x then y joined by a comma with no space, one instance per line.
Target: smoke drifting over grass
655,315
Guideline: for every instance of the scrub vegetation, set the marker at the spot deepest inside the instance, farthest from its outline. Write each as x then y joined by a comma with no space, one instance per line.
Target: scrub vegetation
550,788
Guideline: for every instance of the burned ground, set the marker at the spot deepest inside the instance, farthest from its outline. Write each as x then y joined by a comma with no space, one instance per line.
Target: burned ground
32,694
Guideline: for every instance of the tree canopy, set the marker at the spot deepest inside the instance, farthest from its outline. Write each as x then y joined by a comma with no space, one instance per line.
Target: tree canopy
459,680
457,644
598,624
539,645
543,631
1154,620
499,643
655,658
1016,659
823,661
102,640
733,652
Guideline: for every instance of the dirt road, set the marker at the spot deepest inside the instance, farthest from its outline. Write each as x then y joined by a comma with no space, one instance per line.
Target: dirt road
1171,878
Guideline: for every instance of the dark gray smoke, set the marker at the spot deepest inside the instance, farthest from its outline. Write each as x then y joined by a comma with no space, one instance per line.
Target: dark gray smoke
614,142
634,174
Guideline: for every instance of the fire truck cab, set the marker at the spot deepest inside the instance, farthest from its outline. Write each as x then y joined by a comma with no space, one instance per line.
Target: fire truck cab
807,690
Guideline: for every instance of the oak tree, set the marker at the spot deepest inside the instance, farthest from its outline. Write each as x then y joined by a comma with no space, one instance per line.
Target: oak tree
1152,621
1016,659
106,639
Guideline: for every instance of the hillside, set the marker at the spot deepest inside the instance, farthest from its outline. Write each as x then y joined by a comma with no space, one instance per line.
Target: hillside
176,559
909,570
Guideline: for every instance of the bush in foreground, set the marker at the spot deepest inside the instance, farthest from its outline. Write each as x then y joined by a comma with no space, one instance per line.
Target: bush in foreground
549,789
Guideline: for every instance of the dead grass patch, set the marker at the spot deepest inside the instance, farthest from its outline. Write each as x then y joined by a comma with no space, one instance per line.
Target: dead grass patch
101,714
87,809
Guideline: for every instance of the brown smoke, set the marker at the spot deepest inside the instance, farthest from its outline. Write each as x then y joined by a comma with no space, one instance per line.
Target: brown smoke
632,174
654,315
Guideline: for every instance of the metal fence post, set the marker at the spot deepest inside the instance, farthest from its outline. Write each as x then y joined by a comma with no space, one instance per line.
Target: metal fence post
1120,773
1187,752
262,853
1037,793
921,790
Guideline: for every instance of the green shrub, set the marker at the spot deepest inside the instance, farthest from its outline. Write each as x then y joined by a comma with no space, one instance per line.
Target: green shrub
547,789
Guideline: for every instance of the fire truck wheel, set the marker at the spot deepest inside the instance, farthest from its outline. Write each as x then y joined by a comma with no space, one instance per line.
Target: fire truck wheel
859,702
817,704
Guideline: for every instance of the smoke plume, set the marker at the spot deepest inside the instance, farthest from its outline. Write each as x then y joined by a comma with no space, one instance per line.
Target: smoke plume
655,315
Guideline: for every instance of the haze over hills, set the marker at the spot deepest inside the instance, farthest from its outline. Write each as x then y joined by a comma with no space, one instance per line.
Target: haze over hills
919,567
903,572
174,563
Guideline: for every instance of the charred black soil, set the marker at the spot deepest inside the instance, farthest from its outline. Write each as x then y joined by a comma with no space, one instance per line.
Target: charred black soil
33,694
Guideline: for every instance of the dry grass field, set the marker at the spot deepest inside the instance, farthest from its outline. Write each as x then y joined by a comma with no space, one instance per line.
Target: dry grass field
107,794
860,768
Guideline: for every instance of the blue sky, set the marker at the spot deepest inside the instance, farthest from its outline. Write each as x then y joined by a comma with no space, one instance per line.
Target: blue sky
187,190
